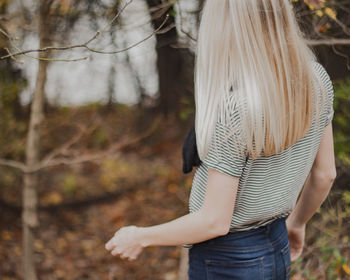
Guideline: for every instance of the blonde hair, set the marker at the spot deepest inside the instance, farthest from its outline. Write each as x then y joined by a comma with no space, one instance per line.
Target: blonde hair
257,48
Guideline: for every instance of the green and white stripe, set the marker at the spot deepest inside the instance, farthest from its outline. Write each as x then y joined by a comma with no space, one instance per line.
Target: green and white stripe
268,186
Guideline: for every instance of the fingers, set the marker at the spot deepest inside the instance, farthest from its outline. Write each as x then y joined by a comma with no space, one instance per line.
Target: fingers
130,254
295,253
124,243
134,254
116,251
125,253
293,257
110,244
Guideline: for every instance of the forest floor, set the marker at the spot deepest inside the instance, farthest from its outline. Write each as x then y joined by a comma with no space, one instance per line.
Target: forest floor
143,186
71,237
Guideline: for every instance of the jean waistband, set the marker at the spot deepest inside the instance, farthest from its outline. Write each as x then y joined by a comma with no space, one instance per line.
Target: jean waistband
273,226
273,230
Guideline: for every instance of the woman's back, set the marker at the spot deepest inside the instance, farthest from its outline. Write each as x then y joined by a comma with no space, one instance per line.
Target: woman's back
269,186
257,143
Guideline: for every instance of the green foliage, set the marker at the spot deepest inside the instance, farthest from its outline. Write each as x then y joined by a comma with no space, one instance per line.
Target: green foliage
12,125
341,121
346,201
172,13
335,260
187,108
93,106
346,197
112,171
99,139
70,185
4,3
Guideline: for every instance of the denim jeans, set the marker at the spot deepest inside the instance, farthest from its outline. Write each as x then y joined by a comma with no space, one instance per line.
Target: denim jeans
261,253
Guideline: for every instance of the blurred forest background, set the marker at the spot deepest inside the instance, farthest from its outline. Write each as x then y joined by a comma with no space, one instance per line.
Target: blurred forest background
96,97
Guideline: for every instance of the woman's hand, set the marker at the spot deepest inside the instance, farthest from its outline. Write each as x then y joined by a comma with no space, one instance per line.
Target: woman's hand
296,236
126,242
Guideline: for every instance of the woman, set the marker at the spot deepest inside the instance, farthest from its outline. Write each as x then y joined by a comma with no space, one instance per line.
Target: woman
264,136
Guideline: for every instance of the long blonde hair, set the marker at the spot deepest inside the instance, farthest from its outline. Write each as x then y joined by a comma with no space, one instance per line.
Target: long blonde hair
257,48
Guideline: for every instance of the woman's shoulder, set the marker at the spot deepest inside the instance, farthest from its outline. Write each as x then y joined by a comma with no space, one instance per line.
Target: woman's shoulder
325,78
229,109
321,70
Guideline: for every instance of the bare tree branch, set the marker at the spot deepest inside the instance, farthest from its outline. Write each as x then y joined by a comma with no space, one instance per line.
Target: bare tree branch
84,45
329,42
64,149
162,6
181,26
51,161
342,55
98,33
112,151
13,163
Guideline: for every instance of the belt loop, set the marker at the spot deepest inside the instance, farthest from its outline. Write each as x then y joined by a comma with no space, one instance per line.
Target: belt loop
268,228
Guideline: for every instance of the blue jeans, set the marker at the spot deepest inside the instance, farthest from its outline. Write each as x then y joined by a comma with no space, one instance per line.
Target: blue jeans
261,253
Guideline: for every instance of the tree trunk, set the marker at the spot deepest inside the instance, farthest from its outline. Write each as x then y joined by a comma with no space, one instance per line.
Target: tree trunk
183,266
169,62
30,219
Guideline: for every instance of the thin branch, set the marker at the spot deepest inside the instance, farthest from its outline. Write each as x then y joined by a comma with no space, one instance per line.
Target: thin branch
100,155
11,55
52,162
14,58
181,26
166,29
328,42
133,45
343,26
342,139
3,32
12,163
162,6
85,45
342,55
64,149
98,33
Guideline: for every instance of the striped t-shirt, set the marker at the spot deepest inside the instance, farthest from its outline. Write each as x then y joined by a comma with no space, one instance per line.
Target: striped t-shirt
269,186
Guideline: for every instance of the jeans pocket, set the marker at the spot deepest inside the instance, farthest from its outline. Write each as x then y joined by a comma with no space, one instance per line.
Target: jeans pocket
285,251
235,269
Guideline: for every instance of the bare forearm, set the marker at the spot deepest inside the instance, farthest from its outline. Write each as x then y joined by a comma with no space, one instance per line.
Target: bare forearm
314,193
191,228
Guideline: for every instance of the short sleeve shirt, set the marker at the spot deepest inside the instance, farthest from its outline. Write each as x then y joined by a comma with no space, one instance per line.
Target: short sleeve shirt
268,186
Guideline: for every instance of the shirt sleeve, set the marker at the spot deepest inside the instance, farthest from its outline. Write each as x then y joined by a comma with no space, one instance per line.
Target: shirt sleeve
227,152
329,110
330,115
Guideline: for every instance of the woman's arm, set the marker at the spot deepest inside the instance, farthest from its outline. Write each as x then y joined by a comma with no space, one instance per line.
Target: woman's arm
212,220
319,182
315,191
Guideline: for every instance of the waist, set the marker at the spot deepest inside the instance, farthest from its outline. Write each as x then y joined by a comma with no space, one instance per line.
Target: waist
272,231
